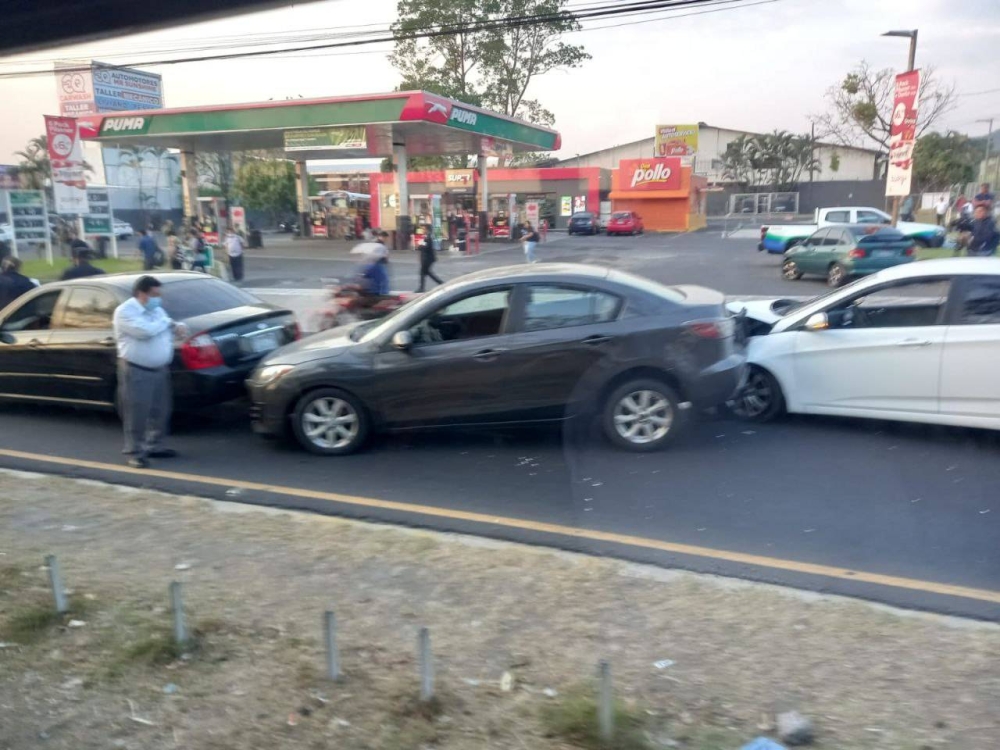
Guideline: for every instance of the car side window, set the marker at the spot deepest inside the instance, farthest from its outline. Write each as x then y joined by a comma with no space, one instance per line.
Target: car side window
907,304
33,315
838,217
870,217
832,238
88,307
817,239
475,316
563,307
981,302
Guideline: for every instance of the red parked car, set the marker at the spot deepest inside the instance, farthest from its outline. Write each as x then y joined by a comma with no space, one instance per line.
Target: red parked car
625,222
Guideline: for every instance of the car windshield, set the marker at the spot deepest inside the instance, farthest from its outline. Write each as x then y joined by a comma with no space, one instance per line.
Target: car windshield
669,418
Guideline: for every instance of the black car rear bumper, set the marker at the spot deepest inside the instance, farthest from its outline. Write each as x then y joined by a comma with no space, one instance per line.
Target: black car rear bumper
197,388
717,384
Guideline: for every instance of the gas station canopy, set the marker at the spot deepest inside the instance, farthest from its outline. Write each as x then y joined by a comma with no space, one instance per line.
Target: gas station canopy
342,127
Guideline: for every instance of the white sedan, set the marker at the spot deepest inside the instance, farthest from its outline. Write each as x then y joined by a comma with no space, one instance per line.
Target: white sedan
123,230
918,343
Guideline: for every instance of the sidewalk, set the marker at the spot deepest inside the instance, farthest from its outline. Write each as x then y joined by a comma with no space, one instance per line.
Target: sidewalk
699,663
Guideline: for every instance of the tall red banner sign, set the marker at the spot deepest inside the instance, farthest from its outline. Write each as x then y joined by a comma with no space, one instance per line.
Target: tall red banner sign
69,183
903,133
659,173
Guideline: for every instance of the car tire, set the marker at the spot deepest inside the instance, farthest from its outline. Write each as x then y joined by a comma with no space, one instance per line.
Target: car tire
760,399
343,416
790,270
629,412
836,275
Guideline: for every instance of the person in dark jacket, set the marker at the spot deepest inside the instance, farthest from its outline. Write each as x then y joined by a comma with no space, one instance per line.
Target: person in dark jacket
81,267
428,257
984,238
12,283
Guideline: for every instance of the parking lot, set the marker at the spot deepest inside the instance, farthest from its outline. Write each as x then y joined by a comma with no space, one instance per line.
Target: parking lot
899,513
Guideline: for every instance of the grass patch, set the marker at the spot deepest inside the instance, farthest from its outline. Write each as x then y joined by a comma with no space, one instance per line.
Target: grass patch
930,253
29,623
10,578
155,649
574,718
39,269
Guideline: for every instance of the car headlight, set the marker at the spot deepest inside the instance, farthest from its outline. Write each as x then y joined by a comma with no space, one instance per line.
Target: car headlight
271,373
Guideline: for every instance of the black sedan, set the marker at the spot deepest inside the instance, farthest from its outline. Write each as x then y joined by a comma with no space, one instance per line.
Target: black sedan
583,222
57,343
512,345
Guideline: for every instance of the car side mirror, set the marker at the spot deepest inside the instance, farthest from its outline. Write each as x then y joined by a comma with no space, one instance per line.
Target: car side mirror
402,340
817,322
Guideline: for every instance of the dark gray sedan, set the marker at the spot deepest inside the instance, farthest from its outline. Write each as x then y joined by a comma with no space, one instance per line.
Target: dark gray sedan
533,343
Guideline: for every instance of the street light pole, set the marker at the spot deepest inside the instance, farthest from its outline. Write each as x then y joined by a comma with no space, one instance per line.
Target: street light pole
986,157
911,65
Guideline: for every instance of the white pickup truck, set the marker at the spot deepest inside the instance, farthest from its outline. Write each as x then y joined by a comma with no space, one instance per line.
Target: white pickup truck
777,238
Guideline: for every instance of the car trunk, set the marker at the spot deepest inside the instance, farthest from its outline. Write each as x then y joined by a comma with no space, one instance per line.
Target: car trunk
245,334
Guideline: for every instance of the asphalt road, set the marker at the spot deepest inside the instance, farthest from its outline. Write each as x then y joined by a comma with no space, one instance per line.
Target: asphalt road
897,513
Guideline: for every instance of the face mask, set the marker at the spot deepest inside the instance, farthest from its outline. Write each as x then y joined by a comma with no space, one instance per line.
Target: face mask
153,303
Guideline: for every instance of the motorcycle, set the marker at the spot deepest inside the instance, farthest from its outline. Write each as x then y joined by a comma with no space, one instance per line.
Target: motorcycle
347,303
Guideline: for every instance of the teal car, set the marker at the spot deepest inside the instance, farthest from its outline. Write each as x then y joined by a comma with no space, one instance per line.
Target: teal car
841,251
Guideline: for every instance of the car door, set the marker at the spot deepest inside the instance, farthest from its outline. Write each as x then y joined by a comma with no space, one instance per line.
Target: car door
838,243
969,367
806,258
456,369
881,354
562,333
81,349
871,217
24,333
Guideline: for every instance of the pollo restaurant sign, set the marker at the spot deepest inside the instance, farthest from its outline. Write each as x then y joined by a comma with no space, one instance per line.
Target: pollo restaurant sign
650,174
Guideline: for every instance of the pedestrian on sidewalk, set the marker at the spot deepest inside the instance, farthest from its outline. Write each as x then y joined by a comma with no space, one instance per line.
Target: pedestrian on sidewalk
941,209
12,282
428,257
150,251
234,249
984,238
530,241
144,335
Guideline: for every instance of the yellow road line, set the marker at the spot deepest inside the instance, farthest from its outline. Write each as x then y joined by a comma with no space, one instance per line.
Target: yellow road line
792,566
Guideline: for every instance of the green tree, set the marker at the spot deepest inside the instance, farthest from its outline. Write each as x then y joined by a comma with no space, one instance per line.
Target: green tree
267,185
491,67
215,170
34,168
943,160
769,161
860,106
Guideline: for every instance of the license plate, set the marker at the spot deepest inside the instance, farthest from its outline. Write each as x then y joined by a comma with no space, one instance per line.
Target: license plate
263,342
883,253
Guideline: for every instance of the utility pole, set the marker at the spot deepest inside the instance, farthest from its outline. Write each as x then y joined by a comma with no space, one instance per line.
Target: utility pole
911,65
986,156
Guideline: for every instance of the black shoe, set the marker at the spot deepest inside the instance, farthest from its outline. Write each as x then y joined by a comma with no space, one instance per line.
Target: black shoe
137,462
163,453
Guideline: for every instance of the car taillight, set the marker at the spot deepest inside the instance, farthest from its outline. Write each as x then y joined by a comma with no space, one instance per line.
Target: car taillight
296,331
911,250
763,233
712,329
857,253
201,352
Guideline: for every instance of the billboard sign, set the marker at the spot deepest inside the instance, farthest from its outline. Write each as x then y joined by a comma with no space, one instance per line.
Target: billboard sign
69,183
326,139
676,140
650,174
125,89
903,133
565,206
99,222
459,180
75,89
28,216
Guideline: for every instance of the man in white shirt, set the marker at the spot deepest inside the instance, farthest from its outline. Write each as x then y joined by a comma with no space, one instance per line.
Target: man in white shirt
144,334
941,208
234,249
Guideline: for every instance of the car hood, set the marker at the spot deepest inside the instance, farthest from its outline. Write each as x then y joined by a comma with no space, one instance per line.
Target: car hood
758,309
915,227
322,345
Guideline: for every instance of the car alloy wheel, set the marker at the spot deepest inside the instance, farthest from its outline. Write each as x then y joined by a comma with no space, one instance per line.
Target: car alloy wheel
330,422
835,276
642,415
790,270
760,399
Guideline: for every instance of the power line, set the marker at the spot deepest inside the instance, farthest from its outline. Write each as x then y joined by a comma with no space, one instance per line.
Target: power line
595,12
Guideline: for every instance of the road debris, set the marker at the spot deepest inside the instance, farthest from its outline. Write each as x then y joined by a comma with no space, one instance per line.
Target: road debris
794,728
663,663
170,688
76,623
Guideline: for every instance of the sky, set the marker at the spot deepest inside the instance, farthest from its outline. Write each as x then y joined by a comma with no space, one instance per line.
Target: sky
759,67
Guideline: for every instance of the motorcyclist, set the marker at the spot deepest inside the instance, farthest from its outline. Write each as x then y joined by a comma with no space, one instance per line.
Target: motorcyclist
373,277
